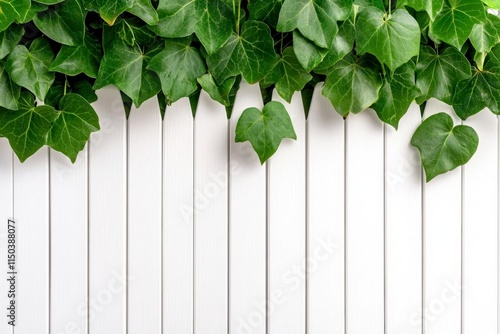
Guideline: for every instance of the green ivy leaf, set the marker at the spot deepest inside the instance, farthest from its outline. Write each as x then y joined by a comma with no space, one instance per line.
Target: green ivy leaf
288,75
31,13
30,68
63,23
308,54
439,72
481,90
353,84
265,130
74,60
442,146
131,31
315,19
125,67
494,4
12,10
108,9
432,7
455,21
10,91
178,66
220,93
250,54
370,3
49,2
145,11
71,129
9,38
342,45
214,24
393,38
483,37
26,128
177,18
266,11
396,95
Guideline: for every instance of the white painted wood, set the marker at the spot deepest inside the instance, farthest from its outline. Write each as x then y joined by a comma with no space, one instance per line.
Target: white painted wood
211,217
325,177
442,246
403,226
31,212
248,229
287,227
68,236
178,219
144,219
107,216
480,229
365,224
6,213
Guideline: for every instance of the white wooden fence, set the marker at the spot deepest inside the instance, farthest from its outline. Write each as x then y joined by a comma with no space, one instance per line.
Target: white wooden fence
170,227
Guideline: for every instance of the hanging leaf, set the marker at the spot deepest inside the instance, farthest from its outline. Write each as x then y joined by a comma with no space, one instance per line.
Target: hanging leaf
442,146
315,19
10,91
145,11
265,130
220,93
353,84
215,23
265,10
455,21
308,54
178,66
396,95
439,72
432,7
393,38
483,37
9,39
108,9
12,10
30,68
74,122
250,54
177,18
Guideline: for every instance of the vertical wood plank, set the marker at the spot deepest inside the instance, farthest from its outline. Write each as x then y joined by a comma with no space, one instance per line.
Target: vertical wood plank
326,188
178,219
403,227
6,213
107,216
480,229
287,227
442,246
144,219
68,235
365,223
211,217
248,230
31,212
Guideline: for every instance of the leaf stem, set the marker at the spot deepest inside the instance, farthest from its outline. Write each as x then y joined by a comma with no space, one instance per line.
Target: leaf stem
65,84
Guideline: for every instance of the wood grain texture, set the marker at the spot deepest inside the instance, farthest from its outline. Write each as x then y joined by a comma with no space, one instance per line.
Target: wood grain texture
403,196
211,217
365,224
247,226
108,216
326,204
144,219
178,294
287,227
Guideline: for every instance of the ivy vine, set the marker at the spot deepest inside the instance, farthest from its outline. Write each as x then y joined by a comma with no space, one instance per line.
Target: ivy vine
374,54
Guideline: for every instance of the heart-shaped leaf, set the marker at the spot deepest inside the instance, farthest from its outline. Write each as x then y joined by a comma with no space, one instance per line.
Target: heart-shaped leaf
265,130
214,25
442,146
177,18
393,38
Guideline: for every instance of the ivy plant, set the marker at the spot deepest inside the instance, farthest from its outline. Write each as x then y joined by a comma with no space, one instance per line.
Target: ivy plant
377,54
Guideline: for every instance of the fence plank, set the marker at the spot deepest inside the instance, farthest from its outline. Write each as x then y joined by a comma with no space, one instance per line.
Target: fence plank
403,226
248,230
31,212
107,215
442,246
211,217
68,235
365,224
287,227
325,246
144,219
480,230
6,213
178,219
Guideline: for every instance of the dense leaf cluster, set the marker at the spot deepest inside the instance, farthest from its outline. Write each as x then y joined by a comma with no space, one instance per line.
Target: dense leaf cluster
378,54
